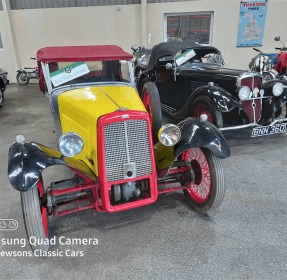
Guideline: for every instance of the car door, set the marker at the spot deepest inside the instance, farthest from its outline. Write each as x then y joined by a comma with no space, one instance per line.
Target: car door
171,87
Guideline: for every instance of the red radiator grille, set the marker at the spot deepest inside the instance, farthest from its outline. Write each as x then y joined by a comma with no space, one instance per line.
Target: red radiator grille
252,82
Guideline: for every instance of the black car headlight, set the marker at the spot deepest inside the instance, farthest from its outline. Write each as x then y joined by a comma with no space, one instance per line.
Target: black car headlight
169,134
70,144
277,89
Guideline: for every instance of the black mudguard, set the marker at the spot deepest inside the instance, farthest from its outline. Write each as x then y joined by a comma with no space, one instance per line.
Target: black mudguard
222,100
27,161
194,133
197,133
270,108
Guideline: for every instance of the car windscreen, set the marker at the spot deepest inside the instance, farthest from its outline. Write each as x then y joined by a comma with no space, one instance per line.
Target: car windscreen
67,73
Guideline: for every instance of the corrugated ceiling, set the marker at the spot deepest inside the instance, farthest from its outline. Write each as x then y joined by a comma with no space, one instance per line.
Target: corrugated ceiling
42,4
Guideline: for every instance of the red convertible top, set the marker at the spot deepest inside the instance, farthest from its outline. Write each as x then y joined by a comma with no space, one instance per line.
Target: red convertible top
82,53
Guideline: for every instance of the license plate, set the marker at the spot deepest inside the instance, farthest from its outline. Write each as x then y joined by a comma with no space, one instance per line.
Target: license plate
265,130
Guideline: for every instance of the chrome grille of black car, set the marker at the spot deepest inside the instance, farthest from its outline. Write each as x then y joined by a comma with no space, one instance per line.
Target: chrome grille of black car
127,142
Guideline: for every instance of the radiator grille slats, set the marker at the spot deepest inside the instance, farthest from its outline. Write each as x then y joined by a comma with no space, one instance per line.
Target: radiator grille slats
252,82
126,142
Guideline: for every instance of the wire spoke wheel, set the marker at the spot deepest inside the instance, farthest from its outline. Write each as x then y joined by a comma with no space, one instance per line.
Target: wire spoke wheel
201,108
203,105
35,216
206,192
22,78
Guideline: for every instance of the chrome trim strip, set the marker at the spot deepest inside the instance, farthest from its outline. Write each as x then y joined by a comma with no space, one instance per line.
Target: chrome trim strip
127,142
109,97
250,125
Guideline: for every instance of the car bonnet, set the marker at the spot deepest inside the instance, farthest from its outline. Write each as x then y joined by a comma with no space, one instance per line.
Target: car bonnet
92,102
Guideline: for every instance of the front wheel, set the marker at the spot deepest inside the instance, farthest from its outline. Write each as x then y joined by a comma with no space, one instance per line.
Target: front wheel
151,101
207,190
203,105
1,98
22,78
35,216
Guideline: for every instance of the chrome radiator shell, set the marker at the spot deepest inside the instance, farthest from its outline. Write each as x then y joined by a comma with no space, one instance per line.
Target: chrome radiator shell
126,143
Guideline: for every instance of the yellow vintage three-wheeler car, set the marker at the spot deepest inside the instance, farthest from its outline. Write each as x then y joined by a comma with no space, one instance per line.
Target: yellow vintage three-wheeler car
113,141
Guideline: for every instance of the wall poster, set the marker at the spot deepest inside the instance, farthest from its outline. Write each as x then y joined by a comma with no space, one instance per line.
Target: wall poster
251,24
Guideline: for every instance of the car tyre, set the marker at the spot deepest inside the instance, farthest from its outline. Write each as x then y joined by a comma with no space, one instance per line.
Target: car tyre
1,98
35,216
206,192
151,101
22,79
203,105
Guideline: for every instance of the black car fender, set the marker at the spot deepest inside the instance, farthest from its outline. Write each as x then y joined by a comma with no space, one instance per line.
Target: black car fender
198,133
194,133
26,161
271,106
220,98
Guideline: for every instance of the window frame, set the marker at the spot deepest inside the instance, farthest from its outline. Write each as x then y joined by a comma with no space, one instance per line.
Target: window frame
201,13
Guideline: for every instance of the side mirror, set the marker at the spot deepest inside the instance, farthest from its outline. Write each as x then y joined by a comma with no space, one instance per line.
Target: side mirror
277,38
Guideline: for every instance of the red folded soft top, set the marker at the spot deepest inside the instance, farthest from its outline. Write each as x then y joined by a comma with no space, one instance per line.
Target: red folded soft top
82,53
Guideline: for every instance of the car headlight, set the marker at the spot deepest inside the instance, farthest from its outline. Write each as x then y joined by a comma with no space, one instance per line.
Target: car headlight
277,89
244,93
255,92
70,144
169,134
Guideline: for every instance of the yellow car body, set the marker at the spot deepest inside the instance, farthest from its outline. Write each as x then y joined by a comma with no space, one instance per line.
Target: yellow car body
80,109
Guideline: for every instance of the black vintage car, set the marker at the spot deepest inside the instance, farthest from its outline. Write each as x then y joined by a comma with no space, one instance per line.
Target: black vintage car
191,81
3,84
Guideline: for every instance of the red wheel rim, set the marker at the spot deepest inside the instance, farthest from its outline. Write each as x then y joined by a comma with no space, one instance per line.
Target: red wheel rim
147,103
199,109
44,211
200,190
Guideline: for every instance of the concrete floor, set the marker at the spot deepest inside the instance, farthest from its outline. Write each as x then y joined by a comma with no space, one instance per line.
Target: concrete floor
245,239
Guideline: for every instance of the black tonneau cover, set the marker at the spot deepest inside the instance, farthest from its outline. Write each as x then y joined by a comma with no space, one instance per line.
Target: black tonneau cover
172,48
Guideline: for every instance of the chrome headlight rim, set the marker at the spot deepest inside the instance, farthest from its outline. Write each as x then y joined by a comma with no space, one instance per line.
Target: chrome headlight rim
169,135
277,89
244,93
62,144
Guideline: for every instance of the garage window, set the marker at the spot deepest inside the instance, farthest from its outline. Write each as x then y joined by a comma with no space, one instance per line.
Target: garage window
195,27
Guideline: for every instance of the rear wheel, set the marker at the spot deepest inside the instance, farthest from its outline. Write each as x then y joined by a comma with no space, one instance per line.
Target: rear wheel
22,78
203,105
207,190
1,98
151,101
35,216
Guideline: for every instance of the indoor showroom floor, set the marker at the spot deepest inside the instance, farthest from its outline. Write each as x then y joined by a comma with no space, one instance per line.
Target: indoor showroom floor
245,239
